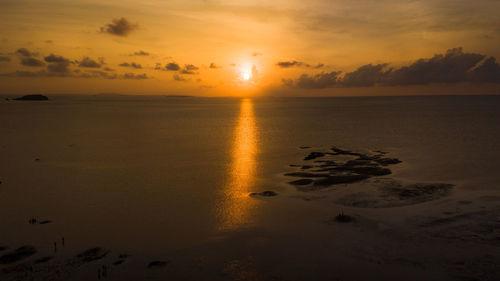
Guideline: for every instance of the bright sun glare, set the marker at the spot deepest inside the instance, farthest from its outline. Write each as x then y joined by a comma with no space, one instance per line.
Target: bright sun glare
246,75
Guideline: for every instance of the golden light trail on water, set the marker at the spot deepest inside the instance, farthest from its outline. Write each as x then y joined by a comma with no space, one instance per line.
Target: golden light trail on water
237,205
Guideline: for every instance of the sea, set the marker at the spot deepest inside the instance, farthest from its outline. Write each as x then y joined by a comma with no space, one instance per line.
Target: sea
157,174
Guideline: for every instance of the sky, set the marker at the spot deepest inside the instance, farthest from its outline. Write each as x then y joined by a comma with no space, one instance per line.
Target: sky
250,48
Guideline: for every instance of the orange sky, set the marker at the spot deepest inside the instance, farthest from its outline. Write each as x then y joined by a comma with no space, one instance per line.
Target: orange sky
125,46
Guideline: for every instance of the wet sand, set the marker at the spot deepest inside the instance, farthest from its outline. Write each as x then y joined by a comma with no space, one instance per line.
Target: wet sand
379,227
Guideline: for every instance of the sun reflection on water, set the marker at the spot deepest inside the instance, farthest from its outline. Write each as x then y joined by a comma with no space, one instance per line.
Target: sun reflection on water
237,205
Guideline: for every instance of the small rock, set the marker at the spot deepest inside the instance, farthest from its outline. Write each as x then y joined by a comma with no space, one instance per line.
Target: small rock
18,254
267,193
314,155
43,260
307,175
158,264
331,180
301,182
343,218
92,254
388,161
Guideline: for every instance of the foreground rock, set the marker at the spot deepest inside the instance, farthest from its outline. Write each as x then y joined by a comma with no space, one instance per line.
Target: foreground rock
43,260
314,155
267,193
92,254
154,264
342,167
18,254
334,169
343,218
33,97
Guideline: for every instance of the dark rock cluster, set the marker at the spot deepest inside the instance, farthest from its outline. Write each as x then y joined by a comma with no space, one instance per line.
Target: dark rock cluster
333,168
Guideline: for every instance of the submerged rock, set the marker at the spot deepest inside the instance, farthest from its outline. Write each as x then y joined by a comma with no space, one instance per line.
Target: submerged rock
338,151
336,169
18,254
43,260
32,97
314,155
388,161
301,182
158,264
421,192
364,170
93,254
393,194
331,180
267,193
343,218
306,175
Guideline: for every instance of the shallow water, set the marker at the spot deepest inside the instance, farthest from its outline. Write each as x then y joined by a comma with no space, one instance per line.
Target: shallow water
153,174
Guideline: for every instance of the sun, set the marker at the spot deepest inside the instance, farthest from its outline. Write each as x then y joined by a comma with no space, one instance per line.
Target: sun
246,75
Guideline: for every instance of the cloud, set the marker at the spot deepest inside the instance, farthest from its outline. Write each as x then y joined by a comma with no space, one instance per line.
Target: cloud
487,72
96,74
132,64
59,67
135,76
4,59
189,69
256,54
317,81
29,61
214,66
57,64
451,67
294,63
179,78
55,58
366,75
172,66
25,52
119,27
140,53
287,64
454,66
89,63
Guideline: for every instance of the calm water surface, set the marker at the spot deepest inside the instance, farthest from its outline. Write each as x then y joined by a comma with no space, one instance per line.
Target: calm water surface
149,173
